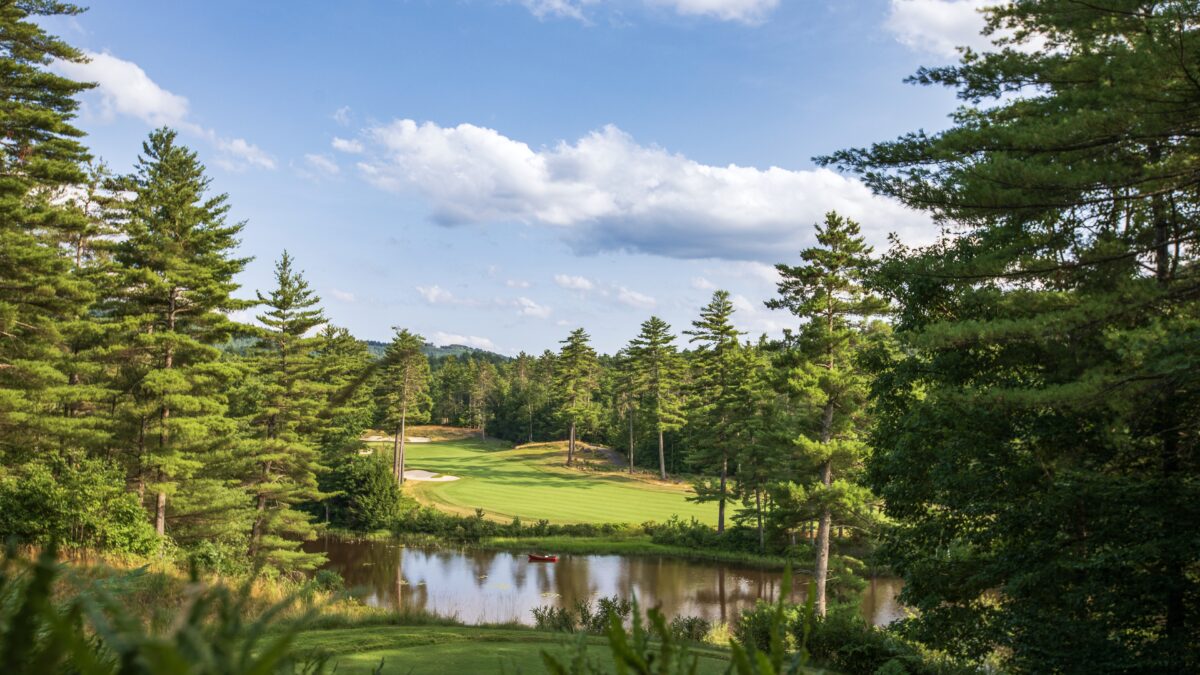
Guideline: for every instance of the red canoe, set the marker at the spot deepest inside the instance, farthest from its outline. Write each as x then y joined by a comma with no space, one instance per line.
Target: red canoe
533,557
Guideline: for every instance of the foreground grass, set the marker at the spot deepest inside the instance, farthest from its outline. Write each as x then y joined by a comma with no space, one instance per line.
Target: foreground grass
449,649
639,545
531,482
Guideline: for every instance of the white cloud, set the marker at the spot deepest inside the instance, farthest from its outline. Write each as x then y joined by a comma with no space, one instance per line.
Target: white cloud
607,192
517,283
744,11
350,146
527,307
442,339
573,283
702,284
322,163
436,295
343,296
238,154
572,9
755,319
938,26
342,115
632,298
124,88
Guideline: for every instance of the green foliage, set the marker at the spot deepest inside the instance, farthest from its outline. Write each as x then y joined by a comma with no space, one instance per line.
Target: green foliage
82,505
93,633
367,496
1039,429
576,376
583,616
281,460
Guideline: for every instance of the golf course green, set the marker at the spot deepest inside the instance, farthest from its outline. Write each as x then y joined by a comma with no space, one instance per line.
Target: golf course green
532,482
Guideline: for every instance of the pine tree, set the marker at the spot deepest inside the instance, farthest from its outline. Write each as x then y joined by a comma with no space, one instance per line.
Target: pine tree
283,459
827,294
1039,435
720,368
40,156
577,373
658,379
404,385
178,266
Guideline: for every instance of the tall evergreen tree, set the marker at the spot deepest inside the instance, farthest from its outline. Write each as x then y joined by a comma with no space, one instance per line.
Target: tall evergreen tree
178,266
1040,429
720,369
658,379
576,374
827,294
40,155
404,384
284,461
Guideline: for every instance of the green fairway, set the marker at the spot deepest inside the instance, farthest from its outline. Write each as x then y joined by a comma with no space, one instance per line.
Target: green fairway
435,650
532,482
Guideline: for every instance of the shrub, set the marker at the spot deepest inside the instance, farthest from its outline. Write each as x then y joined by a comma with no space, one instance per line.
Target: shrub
692,628
558,619
370,498
81,504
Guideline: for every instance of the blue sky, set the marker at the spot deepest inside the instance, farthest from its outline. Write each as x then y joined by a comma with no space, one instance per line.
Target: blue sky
497,173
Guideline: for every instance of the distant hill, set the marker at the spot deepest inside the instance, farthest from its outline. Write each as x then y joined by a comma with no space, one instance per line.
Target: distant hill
436,353
243,345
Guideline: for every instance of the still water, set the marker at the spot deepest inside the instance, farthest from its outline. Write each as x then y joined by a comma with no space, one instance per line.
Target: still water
494,586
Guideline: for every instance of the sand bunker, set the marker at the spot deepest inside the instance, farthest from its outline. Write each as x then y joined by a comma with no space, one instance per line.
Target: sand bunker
418,439
422,475
376,438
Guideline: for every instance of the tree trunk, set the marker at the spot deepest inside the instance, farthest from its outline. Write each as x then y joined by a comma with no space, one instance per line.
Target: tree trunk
160,514
822,572
662,458
403,431
631,442
571,445
396,456
721,507
762,544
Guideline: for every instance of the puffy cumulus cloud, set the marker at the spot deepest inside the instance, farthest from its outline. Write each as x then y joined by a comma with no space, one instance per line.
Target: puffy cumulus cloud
342,115
124,88
442,339
573,283
702,284
517,283
745,11
605,191
940,27
754,318
342,296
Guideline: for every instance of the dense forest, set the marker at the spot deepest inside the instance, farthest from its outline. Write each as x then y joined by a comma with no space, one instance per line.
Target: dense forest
1012,414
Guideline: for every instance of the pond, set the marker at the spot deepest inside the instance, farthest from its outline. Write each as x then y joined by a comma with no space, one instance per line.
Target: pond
477,586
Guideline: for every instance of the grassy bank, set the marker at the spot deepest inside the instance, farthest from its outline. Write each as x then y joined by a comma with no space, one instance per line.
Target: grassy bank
456,649
639,545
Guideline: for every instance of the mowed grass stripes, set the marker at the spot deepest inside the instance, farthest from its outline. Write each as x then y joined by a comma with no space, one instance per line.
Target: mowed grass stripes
532,482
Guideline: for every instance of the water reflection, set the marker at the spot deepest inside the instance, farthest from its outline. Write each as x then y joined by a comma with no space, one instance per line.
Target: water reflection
494,586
